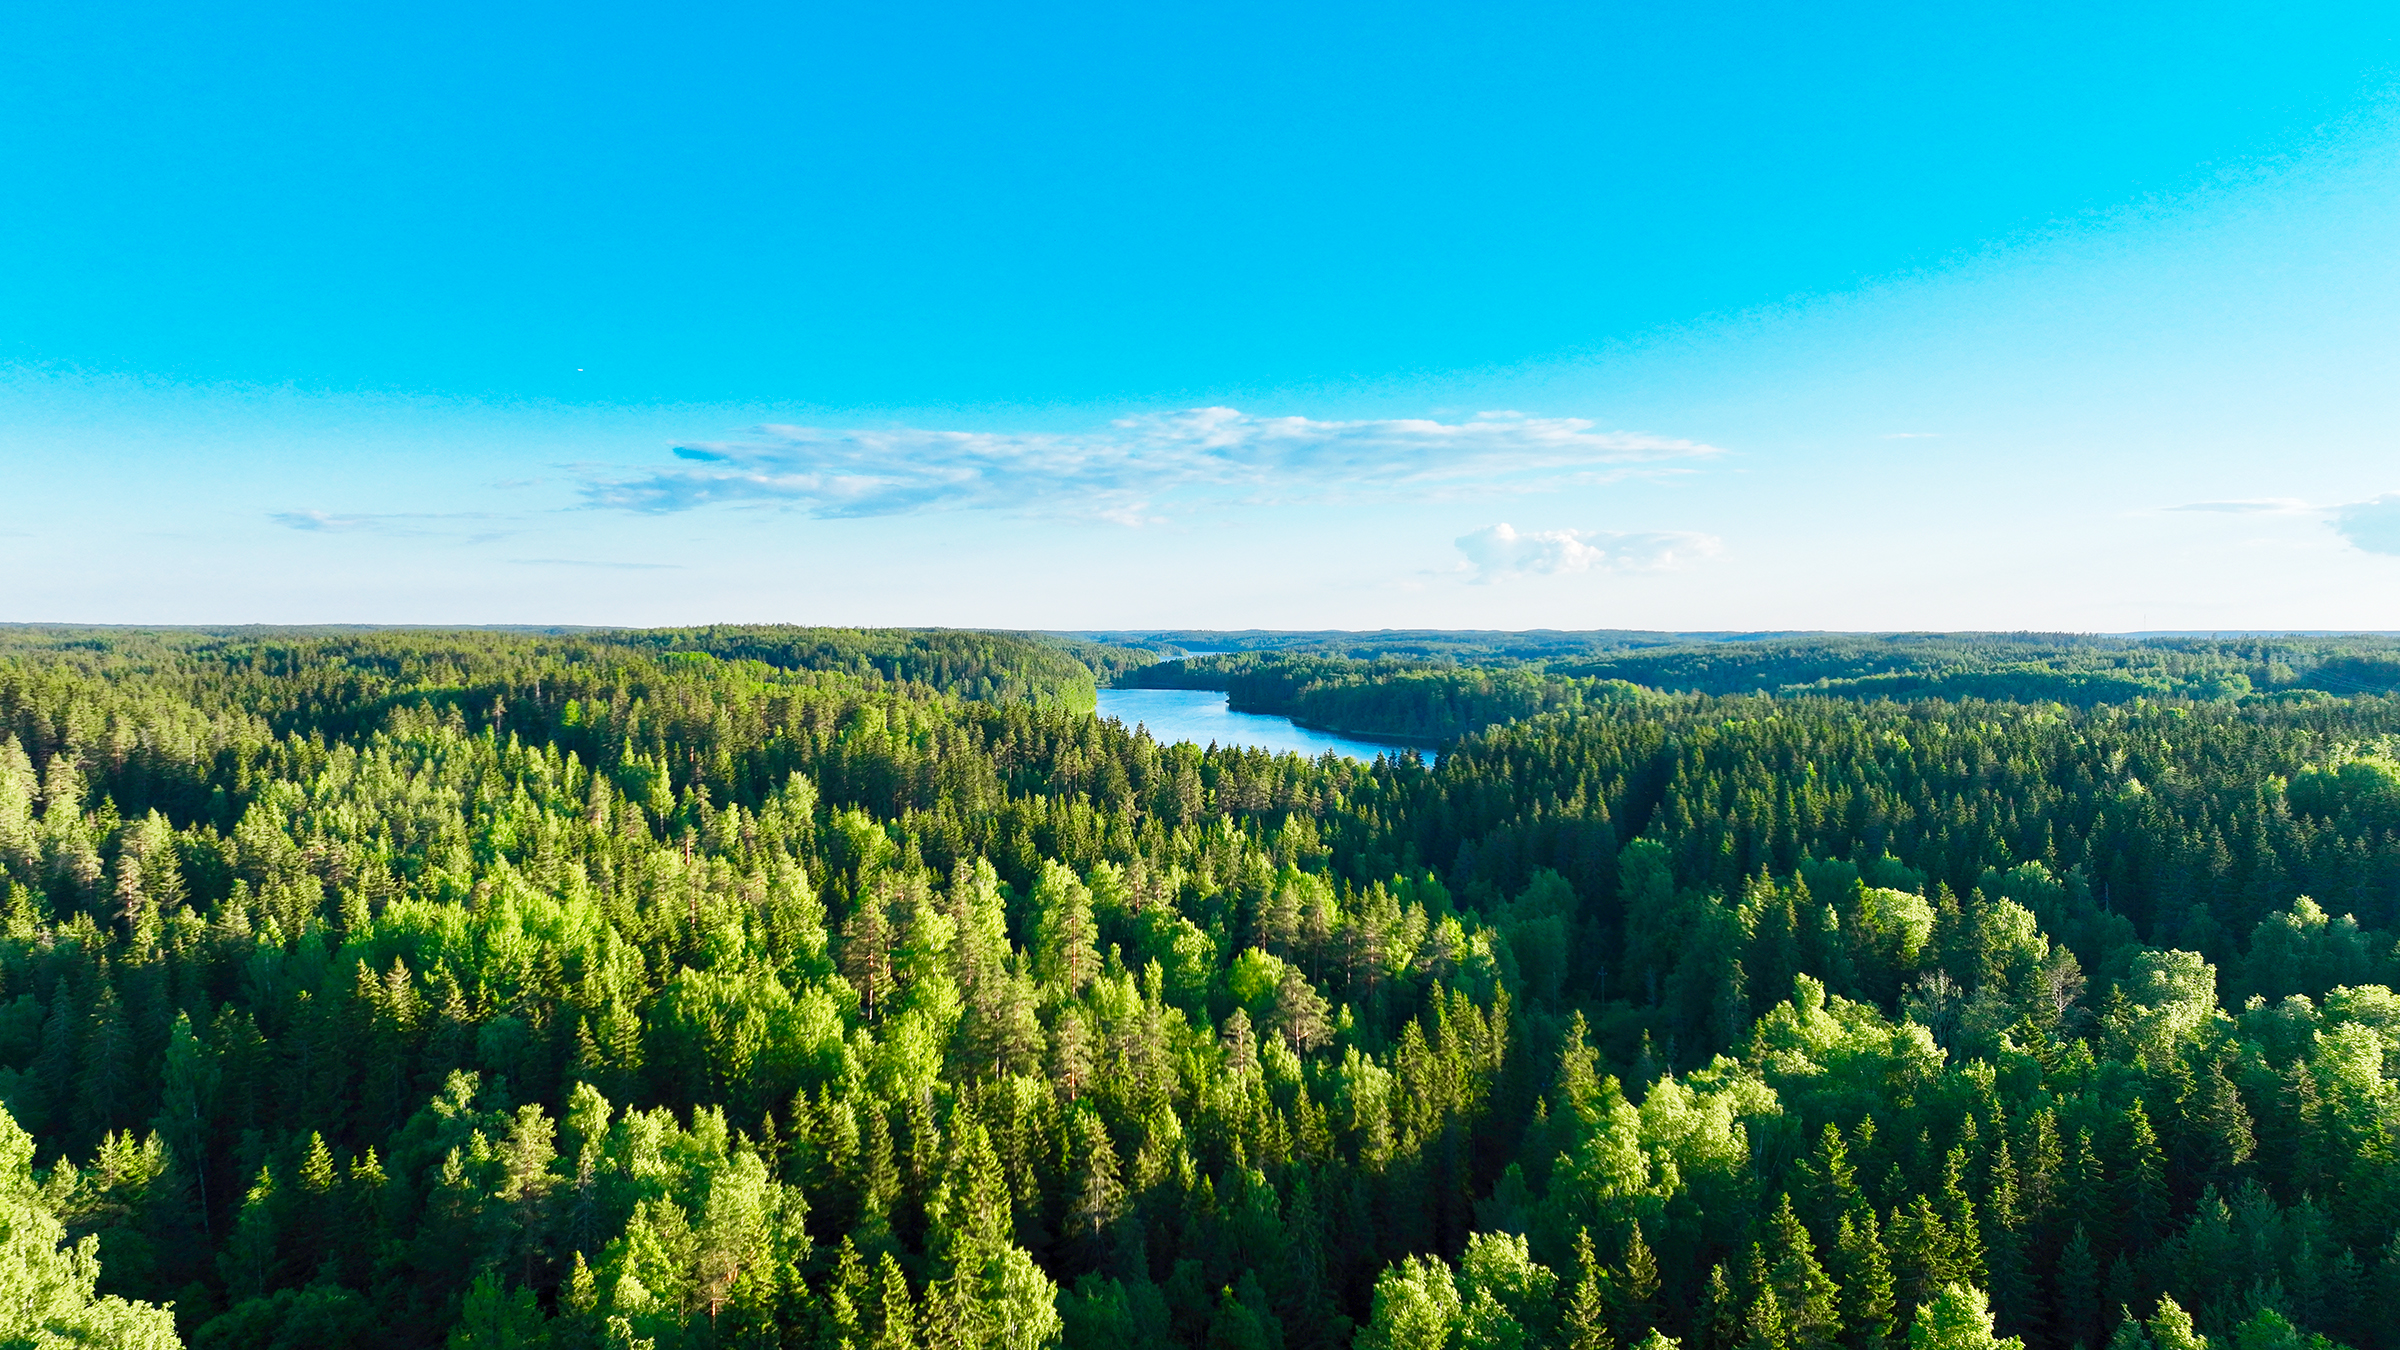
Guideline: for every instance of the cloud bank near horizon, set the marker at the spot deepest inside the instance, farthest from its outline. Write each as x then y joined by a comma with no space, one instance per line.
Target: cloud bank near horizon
2371,526
1139,469
1500,552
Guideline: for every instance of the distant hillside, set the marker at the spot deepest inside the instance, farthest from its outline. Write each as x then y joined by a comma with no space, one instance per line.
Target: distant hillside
1420,686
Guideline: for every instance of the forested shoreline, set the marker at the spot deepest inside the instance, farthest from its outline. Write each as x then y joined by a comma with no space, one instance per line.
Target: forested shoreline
804,988
1434,687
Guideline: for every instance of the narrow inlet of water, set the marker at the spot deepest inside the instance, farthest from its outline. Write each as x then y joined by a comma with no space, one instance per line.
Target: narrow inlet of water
1202,716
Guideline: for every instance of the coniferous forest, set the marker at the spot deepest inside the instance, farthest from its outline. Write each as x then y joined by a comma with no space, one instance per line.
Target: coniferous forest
862,990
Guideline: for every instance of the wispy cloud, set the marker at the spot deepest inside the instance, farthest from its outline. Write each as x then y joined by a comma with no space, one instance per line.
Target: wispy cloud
316,520
594,562
2371,526
411,523
1498,552
2250,506
1139,466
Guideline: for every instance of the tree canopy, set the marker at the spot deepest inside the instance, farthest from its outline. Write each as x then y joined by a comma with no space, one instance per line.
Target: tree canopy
803,988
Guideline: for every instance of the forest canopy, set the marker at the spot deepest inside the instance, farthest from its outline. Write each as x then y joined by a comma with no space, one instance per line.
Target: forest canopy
860,988
1432,687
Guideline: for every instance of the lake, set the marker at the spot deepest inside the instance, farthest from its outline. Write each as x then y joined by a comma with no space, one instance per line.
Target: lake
1201,716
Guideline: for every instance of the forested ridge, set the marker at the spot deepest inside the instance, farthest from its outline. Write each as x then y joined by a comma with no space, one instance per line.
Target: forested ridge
757,988
1421,688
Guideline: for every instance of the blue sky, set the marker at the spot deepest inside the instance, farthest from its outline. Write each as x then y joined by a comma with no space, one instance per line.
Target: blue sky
1079,316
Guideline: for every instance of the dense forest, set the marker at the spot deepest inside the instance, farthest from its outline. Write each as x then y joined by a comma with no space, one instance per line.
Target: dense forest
1421,688
862,990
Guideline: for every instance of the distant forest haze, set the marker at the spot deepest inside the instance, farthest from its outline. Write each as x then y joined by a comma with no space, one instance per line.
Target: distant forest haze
862,990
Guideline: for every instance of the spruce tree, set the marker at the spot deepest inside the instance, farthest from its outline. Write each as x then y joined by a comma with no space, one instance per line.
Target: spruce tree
1924,1256
2142,1198
1637,1289
1966,1264
1585,1319
1864,1271
2078,1285
895,1316
2011,1282
1807,1299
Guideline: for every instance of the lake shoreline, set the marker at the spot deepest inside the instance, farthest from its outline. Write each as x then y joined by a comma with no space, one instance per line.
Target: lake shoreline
1207,716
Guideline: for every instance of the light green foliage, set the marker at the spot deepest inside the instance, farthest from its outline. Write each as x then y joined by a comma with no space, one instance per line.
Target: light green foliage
2130,1334
2268,1329
2302,950
2367,787
2171,1327
46,1283
2170,999
1894,926
1253,980
1417,1307
1957,1318
493,1318
1507,1298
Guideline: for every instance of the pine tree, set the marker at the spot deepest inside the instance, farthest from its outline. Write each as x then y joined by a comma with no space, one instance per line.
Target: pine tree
248,1265
1099,1191
847,1312
867,943
2129,1334
1586,1315
2040,1175
187,1098
2221,1126
2087,1175
1923,1253
1721,1322
2078,1291
878,1180
105,1087
1808,1301
1864,1272
1966,1264
315,1219
2011,1283
1065,950
1637,1289
1764,1325
2142,1198
1832,1183
895,1309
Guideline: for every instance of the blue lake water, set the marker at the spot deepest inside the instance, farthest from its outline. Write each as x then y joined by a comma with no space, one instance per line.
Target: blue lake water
1201,717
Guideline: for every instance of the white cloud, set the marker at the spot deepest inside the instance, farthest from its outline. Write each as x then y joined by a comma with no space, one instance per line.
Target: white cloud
1496,552
1139,466
404,523
2373,526
593,562
315,520
2251,506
